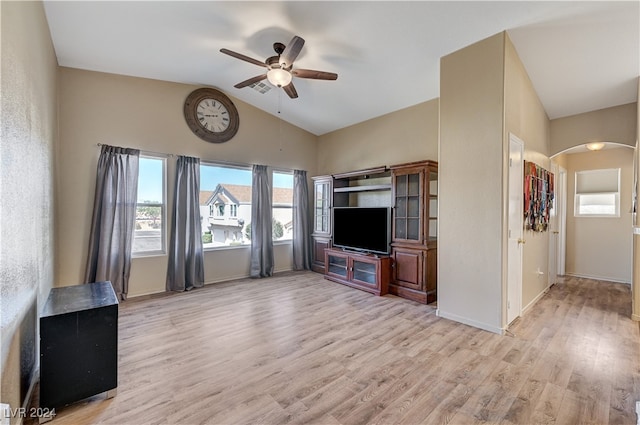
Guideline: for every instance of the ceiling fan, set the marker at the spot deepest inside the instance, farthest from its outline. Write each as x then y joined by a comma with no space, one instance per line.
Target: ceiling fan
280,70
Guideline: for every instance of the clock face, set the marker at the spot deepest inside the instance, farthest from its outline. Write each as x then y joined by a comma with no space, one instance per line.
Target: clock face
211,115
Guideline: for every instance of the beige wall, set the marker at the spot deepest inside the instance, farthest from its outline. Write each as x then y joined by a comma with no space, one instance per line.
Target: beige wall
29,134
616,124
406,135
471,185
147,114
600,248
526,118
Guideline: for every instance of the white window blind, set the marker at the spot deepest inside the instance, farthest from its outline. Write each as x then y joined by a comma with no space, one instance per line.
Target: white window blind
597,193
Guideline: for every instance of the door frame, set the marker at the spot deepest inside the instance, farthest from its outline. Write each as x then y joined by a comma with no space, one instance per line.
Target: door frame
554,233
514,290
561,196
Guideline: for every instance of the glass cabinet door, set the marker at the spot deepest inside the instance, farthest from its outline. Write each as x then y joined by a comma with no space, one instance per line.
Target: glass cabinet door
433,205
365,272
408,211
321,208
337,265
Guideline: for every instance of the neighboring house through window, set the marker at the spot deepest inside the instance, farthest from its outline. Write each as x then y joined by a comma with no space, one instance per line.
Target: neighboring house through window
225,205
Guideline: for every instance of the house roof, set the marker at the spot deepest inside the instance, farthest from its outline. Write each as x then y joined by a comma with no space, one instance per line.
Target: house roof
282,195
241,194
204,196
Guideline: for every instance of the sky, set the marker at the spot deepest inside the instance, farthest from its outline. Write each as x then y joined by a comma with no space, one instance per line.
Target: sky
150,179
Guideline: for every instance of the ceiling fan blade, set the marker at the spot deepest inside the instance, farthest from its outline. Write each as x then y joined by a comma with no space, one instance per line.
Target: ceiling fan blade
290,90
243,57
291,52
250,81
316,75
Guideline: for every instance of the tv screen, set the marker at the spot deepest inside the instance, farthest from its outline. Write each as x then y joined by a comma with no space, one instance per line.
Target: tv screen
362,229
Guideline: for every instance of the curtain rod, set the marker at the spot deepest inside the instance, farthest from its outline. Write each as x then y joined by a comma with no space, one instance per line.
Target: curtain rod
213,161
145,151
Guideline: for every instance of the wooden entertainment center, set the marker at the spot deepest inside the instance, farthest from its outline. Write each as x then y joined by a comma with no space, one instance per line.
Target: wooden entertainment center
411,190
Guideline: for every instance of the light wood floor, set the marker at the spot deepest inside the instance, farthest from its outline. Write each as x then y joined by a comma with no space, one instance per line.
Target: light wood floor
299,349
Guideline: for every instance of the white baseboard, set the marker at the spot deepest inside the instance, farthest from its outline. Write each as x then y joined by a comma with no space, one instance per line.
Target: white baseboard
607,279
211,282
470,322
535,300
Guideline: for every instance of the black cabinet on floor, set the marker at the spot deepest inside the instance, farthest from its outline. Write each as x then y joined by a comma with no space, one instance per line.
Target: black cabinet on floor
78,344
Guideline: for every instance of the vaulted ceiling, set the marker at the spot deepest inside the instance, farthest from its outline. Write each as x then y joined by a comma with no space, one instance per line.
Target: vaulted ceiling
580,55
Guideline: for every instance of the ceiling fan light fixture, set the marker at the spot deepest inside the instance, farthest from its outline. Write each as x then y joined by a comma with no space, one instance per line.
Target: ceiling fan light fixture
595,146
279,77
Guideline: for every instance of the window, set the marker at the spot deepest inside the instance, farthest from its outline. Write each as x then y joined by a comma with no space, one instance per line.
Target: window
149,234
597,193
220,186
282,204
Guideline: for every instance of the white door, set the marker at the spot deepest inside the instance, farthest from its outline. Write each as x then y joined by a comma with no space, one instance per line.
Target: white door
515,228
554,240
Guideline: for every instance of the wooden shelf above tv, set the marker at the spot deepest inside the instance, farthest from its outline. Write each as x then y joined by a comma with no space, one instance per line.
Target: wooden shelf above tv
361,173
363,188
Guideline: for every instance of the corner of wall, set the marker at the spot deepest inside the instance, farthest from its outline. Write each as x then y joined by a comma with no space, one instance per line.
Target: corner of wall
29,112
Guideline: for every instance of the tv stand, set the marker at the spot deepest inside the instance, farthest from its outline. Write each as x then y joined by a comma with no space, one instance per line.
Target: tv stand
367,272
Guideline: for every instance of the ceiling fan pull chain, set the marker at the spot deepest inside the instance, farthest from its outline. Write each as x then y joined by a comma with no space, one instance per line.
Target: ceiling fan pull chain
279,101
280,120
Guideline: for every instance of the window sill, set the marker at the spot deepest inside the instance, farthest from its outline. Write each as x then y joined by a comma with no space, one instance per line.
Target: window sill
222,248
149,254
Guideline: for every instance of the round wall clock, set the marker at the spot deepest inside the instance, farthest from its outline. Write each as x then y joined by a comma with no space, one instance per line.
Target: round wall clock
211,115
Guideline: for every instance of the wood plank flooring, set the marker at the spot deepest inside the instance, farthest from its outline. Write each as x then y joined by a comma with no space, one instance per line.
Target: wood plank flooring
302,350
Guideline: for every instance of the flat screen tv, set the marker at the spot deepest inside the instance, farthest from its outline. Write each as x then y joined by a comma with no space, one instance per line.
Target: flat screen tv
362,229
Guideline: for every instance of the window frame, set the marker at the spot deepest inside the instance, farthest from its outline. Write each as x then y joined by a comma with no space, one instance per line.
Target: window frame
579,194
163,210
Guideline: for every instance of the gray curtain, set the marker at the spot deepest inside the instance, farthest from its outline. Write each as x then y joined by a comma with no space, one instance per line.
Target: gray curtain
261,224
114,215
186,263
301,224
